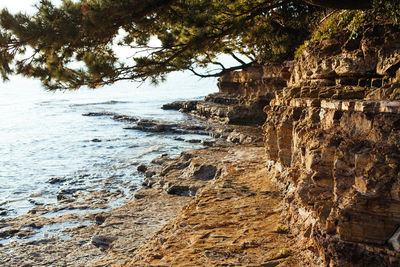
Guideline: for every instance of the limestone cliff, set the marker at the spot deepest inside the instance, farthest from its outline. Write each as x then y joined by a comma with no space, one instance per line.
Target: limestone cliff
332,141
241,96
330,170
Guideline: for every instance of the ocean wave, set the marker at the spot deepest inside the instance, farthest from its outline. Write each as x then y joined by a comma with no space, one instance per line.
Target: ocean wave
111,102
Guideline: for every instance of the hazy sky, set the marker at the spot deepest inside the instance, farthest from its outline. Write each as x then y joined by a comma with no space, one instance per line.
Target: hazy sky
20,5
17,5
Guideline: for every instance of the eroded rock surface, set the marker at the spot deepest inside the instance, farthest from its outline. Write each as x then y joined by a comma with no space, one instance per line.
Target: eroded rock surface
332,140
93,237
78,233
340,170
340,68
233,221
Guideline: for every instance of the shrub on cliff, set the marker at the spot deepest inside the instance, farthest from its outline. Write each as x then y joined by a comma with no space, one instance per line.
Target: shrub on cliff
350,24
389,10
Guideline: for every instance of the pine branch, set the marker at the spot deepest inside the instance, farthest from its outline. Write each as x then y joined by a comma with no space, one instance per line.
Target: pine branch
218,74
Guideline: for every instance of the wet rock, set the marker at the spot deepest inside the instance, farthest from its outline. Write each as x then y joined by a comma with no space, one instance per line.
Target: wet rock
98,114
69,191
3,213
100,219
208,143
150,173
133,188
34,202
25,233
125,118
142,168
9,233
33,211
188,106
148,182
103,242
177,105
194,141
135,223
57,180
153,129
34,226
180,190
61,197
154,126
161,160
139,196
34,254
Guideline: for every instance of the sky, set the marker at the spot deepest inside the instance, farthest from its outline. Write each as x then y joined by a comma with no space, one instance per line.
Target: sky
20,5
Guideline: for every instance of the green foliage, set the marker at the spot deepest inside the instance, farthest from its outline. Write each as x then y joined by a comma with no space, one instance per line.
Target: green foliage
73,44
350,24
388,9
300,49
344,22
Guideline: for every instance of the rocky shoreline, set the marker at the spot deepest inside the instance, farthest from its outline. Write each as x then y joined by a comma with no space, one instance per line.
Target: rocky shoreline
232,221
317,186
82,230
104,238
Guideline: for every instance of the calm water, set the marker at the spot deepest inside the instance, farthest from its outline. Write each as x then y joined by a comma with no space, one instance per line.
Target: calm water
43,135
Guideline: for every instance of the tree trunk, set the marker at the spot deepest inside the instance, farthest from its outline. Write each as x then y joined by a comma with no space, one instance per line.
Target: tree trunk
341,4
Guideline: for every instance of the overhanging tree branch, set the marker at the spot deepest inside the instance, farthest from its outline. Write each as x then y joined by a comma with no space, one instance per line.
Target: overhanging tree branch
218,74
237,59
190,33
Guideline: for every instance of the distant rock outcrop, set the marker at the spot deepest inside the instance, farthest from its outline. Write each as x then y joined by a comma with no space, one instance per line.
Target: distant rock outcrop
241,97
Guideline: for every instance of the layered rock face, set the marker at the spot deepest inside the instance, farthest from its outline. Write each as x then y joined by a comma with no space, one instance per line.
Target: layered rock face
339,170
332,138
242,95
342,68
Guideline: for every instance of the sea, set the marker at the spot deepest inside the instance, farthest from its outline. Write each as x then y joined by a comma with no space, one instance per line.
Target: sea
44,137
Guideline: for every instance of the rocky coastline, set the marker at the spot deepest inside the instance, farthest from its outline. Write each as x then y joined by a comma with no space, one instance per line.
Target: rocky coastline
81,230
105,238
318,185
332,151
